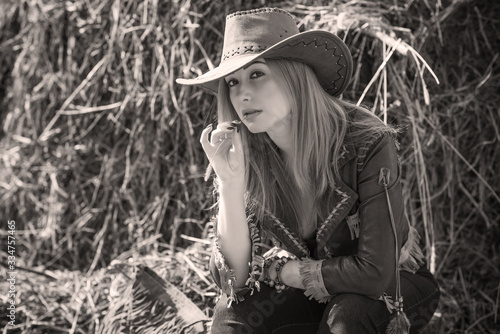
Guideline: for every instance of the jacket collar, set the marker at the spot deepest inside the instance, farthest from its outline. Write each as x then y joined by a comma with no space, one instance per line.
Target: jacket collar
347,153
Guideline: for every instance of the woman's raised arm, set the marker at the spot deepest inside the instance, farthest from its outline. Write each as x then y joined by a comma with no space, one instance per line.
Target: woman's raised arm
225,153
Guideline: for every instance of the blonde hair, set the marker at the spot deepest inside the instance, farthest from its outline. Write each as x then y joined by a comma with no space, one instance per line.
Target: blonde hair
319,128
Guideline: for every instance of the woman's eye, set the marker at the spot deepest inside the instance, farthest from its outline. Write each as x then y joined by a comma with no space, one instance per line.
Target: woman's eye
232,82
256,74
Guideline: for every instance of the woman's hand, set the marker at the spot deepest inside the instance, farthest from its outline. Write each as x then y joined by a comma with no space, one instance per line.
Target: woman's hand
225,153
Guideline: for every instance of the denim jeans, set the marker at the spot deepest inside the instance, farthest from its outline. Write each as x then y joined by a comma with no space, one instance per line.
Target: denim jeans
292,312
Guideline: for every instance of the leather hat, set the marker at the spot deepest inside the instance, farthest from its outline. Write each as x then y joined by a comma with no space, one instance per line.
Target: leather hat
273,33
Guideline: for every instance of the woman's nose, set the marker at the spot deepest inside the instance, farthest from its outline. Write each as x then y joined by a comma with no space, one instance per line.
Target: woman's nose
245,94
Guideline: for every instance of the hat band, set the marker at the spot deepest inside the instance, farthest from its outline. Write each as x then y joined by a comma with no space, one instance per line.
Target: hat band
245,49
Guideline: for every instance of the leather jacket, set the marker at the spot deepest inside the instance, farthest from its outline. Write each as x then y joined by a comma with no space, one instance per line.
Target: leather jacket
354,249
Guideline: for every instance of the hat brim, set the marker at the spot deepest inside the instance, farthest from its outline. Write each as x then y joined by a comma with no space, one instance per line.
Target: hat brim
326,53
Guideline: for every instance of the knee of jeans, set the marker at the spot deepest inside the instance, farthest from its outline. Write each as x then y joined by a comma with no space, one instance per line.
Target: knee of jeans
248,317
232,320
349,314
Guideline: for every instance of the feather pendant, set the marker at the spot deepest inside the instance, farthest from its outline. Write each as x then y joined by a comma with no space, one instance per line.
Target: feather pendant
399,324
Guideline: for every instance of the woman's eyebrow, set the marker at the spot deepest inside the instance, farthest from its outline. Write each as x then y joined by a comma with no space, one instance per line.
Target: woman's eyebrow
258,61
254,62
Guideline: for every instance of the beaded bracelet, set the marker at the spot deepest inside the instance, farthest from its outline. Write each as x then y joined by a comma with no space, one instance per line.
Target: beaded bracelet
267,265
278,284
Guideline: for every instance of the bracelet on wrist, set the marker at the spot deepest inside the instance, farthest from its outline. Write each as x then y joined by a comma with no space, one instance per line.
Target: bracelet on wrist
278,283
267,264
280,286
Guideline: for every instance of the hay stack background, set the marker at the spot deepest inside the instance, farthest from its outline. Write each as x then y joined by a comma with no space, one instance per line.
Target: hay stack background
100,157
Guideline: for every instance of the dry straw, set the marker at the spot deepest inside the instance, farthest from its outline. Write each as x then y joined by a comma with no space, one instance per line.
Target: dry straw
100,156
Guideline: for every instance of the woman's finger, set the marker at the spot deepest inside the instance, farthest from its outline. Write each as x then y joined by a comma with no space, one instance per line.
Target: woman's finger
223,146
224,125
238,146
219,135
204,140
223,131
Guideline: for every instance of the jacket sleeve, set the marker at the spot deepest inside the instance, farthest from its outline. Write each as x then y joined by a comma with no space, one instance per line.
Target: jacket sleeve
370,271
224,276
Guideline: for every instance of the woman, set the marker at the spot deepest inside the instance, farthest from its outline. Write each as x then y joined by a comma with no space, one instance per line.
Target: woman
317,176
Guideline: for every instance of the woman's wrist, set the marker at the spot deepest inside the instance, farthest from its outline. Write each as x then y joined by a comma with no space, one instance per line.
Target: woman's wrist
231,188
290,275
279,271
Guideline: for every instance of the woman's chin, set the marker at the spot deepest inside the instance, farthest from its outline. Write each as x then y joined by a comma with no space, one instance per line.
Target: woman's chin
254,128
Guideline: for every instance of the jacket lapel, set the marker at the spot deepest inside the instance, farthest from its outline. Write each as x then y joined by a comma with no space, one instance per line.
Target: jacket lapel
339,201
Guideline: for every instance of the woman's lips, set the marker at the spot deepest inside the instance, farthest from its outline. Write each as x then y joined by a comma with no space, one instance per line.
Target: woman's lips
250,113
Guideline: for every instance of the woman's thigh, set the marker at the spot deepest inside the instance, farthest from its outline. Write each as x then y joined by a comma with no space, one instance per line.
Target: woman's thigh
352,313
268,312
292,312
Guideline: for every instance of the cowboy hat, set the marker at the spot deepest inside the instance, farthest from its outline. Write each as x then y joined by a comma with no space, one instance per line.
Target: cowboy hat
272,33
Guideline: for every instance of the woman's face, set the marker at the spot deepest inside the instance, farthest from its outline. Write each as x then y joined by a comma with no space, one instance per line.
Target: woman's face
254,91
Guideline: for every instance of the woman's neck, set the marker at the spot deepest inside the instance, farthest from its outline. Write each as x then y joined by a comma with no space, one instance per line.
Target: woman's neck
281,135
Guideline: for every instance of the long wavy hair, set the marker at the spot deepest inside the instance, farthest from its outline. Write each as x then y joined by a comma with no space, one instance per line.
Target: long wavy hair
320,125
